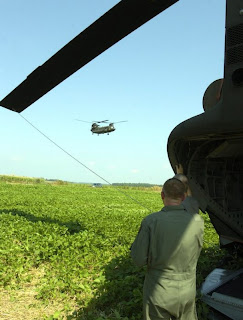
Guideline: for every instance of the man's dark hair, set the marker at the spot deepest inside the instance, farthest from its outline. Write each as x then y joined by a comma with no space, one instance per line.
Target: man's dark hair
174,188
183,179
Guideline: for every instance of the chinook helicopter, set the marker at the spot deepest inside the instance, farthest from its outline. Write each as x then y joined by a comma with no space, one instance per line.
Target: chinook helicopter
209,146
96,128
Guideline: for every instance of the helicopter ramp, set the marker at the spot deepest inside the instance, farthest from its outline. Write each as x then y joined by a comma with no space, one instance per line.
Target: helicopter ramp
222,291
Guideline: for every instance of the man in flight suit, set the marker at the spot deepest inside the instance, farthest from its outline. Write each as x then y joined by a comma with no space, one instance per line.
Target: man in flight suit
169,243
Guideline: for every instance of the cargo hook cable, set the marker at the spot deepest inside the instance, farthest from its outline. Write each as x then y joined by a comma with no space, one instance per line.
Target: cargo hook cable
75,159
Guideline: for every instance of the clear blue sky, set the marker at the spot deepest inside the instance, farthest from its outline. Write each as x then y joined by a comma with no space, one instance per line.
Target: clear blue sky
155,78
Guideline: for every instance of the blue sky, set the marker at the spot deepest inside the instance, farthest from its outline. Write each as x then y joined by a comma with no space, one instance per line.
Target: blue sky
154,78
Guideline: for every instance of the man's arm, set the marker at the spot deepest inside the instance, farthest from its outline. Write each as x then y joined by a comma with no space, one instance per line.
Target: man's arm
190,203
180,171
140,247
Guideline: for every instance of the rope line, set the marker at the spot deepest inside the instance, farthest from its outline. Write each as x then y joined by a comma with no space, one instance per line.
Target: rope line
75,159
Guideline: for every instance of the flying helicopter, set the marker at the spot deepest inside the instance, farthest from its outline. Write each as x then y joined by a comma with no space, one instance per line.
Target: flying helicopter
96,128
209,145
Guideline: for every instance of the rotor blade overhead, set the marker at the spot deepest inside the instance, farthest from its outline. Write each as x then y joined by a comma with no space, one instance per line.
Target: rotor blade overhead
115,24
101,121
92,121
83,121
120,121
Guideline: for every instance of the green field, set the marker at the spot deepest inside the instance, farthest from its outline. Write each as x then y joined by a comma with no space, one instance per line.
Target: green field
65,250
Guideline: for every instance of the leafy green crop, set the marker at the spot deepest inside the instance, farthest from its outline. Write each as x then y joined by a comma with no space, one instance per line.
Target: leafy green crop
80,236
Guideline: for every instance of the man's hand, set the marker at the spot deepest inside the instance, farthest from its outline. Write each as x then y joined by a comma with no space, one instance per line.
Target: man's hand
179,168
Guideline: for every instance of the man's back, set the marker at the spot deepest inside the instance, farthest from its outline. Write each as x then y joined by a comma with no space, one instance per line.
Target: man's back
176,240
174,244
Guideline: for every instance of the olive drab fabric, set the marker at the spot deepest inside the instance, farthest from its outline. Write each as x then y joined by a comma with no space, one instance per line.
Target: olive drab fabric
191,204
169,242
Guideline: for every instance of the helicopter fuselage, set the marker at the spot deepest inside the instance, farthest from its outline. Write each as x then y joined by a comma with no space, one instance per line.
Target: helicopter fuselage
101,130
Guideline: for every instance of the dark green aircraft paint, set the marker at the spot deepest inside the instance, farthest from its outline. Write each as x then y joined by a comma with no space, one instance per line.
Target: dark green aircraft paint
117,23
210,145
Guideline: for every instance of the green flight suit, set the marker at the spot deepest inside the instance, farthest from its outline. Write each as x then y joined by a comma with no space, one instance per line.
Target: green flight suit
169,243
191,204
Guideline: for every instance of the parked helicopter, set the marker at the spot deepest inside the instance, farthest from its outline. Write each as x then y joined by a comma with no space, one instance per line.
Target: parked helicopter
96,128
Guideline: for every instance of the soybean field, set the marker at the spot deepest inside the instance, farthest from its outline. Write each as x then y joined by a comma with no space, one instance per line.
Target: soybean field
64,250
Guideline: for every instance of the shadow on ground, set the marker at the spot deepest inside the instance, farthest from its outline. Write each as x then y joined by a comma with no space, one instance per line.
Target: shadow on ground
120,297
72,226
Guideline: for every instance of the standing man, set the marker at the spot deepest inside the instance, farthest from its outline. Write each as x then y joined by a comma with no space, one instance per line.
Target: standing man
169,243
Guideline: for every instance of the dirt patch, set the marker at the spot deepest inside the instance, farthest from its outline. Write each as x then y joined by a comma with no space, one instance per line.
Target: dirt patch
21,304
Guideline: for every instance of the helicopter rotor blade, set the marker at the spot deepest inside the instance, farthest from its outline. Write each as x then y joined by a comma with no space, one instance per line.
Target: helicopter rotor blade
83,121
114,25
120,121
103,121
92,121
